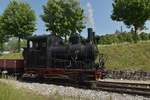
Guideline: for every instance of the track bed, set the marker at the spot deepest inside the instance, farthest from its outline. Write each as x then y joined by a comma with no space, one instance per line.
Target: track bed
124,87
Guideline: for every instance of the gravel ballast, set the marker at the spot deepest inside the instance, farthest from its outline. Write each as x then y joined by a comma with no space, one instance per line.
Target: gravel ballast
49,89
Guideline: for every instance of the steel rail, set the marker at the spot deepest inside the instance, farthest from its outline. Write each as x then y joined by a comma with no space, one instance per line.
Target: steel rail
123,87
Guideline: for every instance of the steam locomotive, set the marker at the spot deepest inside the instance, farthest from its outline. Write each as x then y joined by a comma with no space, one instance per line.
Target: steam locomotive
48,56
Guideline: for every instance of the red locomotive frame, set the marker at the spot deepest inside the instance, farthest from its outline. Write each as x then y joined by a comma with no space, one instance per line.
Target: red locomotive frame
16,66
72,74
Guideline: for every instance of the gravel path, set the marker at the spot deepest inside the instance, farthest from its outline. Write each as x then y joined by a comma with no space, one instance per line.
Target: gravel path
47,89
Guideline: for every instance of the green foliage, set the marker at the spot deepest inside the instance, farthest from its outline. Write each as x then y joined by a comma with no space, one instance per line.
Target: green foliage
18,20
12,44
132,12
125,37
108,39
128,37
63,17
122,37
144,36
3,37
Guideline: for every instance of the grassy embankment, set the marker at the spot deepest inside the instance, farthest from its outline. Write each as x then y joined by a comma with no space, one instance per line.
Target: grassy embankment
127,56
120,56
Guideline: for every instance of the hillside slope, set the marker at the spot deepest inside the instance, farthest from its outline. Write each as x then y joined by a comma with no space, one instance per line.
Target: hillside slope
127,56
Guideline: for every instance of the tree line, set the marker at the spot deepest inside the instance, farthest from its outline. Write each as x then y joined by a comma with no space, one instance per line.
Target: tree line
65,18
61,17
121,38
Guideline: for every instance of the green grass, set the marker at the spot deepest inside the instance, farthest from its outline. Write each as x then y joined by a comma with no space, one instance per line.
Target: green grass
11,56
9,92
127,56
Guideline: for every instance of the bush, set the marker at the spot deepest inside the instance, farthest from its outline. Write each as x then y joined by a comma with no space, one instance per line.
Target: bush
122,37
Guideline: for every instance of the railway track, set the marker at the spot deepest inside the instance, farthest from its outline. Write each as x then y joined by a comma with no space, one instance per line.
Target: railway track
118,87
121,87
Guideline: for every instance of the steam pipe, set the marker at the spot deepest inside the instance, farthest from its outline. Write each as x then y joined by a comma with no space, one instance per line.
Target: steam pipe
91,35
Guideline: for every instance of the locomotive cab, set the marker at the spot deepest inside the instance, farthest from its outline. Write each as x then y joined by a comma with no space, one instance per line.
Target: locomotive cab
35,54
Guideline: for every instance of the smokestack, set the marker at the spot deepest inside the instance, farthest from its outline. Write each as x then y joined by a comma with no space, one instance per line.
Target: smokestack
90,35
94,37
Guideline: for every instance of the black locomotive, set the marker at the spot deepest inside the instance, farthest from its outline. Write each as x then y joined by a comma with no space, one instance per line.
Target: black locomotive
49,56
51,51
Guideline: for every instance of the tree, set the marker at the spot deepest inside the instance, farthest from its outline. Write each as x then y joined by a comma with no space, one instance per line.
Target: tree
3,37
144,36
18,20
63,17
11,45
134,13
129,37
108,39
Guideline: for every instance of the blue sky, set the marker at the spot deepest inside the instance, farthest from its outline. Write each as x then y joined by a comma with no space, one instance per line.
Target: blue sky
101,13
